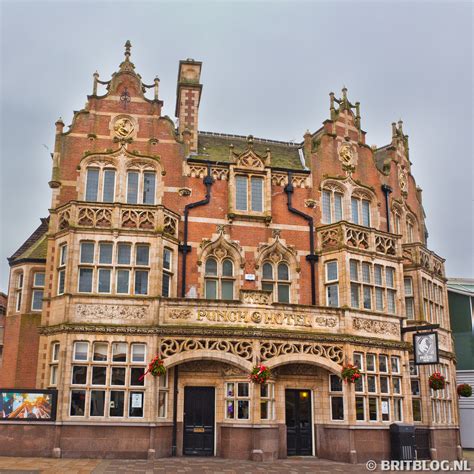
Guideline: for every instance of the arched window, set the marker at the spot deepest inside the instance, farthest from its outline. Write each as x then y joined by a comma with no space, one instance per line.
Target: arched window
276,278
332,205
360,210
219,279
100,184
141,186
410,235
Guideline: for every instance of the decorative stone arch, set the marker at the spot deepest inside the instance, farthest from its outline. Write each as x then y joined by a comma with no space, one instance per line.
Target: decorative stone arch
202,354
333,185
276,252
368,195
221,247
318,361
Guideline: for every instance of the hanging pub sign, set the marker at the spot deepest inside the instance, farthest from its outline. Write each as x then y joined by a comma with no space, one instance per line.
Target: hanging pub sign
426,348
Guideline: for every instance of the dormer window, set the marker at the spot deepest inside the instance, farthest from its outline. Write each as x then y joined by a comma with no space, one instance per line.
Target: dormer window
100,185
249,193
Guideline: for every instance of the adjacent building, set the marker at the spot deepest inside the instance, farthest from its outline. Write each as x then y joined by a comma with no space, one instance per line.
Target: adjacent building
461,311
218,252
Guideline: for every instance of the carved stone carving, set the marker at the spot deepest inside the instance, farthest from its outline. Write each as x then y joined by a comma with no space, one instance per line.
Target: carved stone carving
346,154
180,314
385,245
94,217
109,312
171,346
170,226
135,219
358,239
256,297
403,179
375,327
123,127
269,350
331,238
298,180
64,219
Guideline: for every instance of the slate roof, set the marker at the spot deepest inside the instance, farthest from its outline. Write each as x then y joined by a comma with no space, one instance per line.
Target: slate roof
215,147
35,246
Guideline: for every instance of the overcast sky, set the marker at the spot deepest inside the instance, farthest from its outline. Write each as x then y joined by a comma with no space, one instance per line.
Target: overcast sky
267,70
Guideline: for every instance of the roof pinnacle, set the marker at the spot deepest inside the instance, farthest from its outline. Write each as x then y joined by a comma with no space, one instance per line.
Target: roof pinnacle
127,53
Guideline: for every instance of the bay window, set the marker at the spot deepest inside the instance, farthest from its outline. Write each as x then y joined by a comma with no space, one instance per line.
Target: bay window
100,185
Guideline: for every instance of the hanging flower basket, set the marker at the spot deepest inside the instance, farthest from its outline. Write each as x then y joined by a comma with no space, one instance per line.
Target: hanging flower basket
437,381
260,374
464,390
155,368
350,373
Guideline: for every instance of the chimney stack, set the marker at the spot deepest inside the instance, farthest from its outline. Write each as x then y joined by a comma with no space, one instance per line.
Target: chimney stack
188,97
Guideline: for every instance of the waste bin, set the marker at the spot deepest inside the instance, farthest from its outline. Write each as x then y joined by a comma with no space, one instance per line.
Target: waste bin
402,442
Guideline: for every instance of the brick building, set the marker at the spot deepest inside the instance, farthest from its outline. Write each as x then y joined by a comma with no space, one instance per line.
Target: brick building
218,252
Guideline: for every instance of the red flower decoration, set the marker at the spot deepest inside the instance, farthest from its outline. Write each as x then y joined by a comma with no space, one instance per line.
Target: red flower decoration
155,368
260,374
436,381
350,373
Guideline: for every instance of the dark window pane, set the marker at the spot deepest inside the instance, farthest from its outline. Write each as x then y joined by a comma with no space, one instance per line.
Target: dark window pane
267,271
85,280
119,352
123,281
105,253
142,254
241,193
99,375
211,289
104,280
116,403
337,408
149,188
79,374
87,252
78,402
135,374
118,376
141,282
372,409
109,185
227,290
124,252
92,186
283,272
227,268
211,267
243,409
257,194
100,351
37,301
167,259
360,409
166,285
283,293
136,404
336,383
97,403
416,410
132,188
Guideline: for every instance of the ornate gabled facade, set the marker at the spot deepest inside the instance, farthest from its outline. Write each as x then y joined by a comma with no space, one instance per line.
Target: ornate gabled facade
219,252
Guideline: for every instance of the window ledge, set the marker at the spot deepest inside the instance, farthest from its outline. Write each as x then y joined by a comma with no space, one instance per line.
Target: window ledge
250,217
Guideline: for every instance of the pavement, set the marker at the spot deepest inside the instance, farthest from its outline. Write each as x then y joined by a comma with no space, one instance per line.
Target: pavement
183,465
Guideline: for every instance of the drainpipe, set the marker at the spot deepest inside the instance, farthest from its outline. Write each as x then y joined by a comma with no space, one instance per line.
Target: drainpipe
311,258
387,190
175,411
185,248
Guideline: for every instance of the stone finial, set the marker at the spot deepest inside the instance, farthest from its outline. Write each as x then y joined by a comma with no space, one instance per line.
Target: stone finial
59,125
157,85
394,129
400,126
127,53
250,141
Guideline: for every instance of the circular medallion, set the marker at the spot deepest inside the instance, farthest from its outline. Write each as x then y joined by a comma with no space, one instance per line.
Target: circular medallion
123,127
346,154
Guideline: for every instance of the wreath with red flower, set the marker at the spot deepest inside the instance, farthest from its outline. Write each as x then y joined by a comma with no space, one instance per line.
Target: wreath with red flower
260,374
350,373
464,390
437,381
155,368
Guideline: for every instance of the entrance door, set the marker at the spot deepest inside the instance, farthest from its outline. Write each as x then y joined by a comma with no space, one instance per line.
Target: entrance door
299,426
198,439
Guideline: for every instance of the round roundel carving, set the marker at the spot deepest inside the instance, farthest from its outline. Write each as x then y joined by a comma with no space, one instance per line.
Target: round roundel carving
346,154
123,127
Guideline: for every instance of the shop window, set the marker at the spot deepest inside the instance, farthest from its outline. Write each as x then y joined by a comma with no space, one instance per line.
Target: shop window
237,401
276,278
267,401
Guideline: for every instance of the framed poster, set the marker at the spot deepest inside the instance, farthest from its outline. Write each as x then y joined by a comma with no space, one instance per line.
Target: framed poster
28,405
425,346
